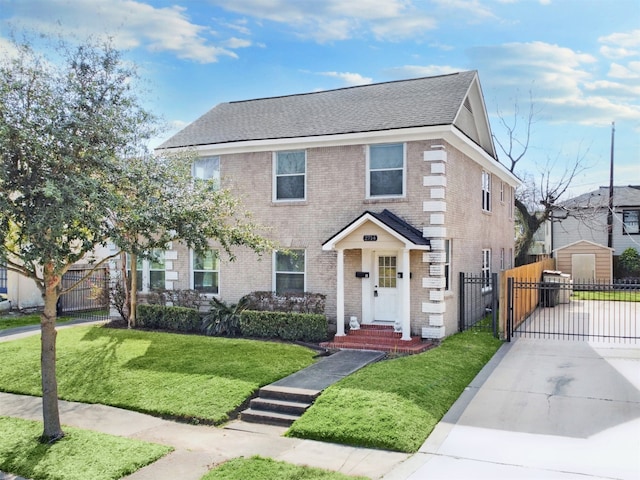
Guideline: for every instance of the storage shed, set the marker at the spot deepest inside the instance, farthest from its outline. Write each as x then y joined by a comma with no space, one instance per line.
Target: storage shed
586,261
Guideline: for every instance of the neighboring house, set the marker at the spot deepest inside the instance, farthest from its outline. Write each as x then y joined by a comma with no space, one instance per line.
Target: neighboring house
585,218
384,193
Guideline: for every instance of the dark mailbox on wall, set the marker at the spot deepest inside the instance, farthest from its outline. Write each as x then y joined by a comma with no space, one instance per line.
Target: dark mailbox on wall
362,274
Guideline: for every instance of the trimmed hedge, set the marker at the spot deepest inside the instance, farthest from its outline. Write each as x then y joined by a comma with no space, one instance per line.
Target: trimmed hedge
307,327
178,319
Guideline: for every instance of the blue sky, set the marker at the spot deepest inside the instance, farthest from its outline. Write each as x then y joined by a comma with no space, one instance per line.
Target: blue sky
578,59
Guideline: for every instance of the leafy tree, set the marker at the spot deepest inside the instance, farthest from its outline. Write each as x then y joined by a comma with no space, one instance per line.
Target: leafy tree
75,175
630,261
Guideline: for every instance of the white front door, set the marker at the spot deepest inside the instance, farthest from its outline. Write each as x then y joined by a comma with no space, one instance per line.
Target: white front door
385,293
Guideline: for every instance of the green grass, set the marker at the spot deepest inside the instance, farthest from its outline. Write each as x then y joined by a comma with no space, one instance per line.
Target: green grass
80,455
258,468
395,404
616,296
13,321
195,378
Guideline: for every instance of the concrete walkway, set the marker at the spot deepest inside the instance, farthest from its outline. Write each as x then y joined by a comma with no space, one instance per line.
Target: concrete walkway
541,409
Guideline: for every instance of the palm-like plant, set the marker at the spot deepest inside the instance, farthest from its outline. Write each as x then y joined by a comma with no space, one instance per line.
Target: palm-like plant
223,319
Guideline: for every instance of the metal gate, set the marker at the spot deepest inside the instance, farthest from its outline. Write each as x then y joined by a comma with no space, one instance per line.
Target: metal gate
565,310
90,296
478,302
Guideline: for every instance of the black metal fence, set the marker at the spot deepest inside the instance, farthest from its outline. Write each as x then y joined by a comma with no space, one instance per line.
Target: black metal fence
596,311
89,298
478,298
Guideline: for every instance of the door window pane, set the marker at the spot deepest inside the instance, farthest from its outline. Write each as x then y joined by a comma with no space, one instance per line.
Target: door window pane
387,272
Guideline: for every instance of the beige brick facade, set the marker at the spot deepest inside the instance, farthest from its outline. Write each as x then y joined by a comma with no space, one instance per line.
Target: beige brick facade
443,199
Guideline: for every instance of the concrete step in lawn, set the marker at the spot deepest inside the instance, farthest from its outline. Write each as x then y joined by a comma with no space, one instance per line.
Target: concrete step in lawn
279,405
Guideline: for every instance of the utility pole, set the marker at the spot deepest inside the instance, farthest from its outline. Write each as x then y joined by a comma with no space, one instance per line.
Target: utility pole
610,212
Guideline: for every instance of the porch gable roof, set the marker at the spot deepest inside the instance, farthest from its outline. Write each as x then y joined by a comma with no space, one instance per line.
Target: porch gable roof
403,231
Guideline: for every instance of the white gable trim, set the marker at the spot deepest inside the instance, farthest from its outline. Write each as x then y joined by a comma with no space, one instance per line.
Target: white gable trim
365,218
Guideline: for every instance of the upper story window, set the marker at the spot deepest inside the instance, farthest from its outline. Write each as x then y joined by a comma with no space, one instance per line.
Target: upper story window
206,168
290,175
386,170
631,221
289,271
205,268
486,191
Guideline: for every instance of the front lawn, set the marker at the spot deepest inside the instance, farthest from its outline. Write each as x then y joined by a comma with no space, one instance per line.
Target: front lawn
189,377
15,321
80,455
614,296
395,404
258,468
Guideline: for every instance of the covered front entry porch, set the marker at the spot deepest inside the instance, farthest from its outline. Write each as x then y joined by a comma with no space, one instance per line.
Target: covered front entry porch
385,242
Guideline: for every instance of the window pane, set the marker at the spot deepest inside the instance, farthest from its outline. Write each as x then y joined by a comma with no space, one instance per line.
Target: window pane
207,261
290,263
205,282
385,156
157,260
289,283
156,280
631,222
206,168
387,182
290,187
290,162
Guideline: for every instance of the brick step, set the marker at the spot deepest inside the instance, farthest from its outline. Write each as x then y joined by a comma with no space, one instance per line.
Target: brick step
377,340
411,348
371,332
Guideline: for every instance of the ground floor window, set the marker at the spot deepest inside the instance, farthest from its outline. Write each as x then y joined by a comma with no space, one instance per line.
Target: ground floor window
289,271
150,273
205,271
447,264
486,269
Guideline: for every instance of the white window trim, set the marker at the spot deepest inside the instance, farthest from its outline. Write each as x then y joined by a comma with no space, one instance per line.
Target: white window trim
274,193
404,172
275,271
146,273
448,244
192,271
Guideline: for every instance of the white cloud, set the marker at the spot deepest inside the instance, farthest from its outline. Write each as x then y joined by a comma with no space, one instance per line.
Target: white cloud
336,20
131,24
473,10
626,39
234,43
612,52
630,72
349,78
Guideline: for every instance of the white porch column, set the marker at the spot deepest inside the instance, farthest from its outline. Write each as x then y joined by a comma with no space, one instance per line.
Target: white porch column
406,295
340,295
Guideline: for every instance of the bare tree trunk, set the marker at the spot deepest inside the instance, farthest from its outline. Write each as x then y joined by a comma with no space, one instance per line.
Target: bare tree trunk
530,225
134,290
51,416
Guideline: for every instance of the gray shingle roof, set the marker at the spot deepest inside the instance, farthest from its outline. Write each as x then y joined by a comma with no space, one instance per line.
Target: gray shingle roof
403,228
419,102
628,196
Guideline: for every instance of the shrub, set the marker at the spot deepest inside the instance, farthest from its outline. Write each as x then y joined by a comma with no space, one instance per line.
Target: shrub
287,302
307,327
177,298
223,319
630,261
178,319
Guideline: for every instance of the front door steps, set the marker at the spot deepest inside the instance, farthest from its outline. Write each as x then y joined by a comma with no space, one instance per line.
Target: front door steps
276,405
378,337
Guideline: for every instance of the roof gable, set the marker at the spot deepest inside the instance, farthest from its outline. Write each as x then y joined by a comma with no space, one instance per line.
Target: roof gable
399,229
420,102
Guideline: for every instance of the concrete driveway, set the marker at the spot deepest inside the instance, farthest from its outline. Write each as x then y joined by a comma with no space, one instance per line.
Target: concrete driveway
541,409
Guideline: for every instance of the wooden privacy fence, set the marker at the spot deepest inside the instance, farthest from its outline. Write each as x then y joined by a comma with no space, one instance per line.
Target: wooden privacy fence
527,300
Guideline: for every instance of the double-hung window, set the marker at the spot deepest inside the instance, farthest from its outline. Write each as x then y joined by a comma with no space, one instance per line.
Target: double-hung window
631,221
386,166
150,273
486,191
290,172
486,269
207,168
447,264
205,269
289,271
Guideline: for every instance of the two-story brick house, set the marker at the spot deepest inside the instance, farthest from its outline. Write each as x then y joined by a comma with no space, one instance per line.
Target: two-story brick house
384,192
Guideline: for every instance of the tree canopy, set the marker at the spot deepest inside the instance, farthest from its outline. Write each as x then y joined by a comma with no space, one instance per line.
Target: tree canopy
75,174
